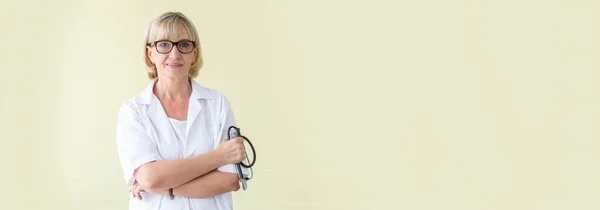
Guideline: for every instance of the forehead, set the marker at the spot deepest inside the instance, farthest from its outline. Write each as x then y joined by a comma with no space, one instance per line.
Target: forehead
169,31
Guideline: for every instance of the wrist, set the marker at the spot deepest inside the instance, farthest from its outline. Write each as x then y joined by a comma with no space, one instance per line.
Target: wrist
219,158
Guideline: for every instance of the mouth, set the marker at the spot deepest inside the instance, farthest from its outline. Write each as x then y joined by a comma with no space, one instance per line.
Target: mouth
174,65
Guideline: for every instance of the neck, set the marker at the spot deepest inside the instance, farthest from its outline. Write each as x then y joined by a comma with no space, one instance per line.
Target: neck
173,89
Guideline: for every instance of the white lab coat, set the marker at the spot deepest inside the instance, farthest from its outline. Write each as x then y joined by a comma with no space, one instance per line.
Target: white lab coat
144,134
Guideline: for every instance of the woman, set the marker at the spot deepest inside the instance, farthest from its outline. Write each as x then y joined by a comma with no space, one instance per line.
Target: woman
171,136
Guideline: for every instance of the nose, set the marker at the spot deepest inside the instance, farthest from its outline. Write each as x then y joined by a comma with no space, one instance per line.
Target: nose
174,52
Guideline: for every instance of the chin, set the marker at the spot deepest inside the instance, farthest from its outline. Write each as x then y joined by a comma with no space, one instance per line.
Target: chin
175,76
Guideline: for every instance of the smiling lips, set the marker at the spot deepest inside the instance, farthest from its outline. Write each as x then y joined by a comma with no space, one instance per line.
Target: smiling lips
175,65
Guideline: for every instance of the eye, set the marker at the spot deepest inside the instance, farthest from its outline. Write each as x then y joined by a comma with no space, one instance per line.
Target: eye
162,44
185,44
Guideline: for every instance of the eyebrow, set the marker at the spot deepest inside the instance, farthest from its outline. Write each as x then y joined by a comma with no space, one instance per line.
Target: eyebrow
158,40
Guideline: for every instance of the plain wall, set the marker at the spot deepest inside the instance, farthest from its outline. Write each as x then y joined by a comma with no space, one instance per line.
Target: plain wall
421,105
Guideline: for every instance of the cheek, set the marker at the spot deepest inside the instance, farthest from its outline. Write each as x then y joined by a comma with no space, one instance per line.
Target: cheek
190,60
160,59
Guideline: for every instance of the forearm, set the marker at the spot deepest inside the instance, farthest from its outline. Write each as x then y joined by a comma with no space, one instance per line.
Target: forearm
208,185
165,174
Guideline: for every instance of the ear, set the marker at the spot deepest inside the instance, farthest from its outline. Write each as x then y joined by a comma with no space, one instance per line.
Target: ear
196,51
149,51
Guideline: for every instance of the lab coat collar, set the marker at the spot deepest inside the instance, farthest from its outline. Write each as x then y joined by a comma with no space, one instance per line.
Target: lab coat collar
198,92
157,113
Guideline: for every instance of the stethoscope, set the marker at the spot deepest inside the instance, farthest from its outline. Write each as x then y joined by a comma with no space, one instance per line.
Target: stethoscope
243,179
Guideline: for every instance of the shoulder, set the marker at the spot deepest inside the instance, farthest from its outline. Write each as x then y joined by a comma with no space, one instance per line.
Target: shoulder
137,101
129,108
133,105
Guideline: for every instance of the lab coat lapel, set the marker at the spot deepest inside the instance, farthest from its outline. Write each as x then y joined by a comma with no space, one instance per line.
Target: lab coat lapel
162,125
193,112
195,107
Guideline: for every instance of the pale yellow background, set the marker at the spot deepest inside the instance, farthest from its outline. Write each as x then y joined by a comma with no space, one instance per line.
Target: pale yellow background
420,105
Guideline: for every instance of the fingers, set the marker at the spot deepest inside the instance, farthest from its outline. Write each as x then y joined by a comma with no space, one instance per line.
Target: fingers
239,140
135,190
240,149
132,189
238,144
236,140
233,150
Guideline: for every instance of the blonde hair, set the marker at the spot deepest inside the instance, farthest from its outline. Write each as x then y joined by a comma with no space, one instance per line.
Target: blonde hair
168,26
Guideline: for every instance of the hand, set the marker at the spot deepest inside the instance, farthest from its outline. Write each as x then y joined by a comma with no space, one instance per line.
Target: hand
232,150
135,190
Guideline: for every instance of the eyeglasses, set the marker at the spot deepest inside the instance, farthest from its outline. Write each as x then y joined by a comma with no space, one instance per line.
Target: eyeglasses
165,46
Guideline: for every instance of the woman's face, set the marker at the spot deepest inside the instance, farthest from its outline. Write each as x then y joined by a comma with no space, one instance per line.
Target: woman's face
173,58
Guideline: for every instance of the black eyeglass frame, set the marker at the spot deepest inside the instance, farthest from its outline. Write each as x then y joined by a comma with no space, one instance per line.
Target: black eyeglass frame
173,44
